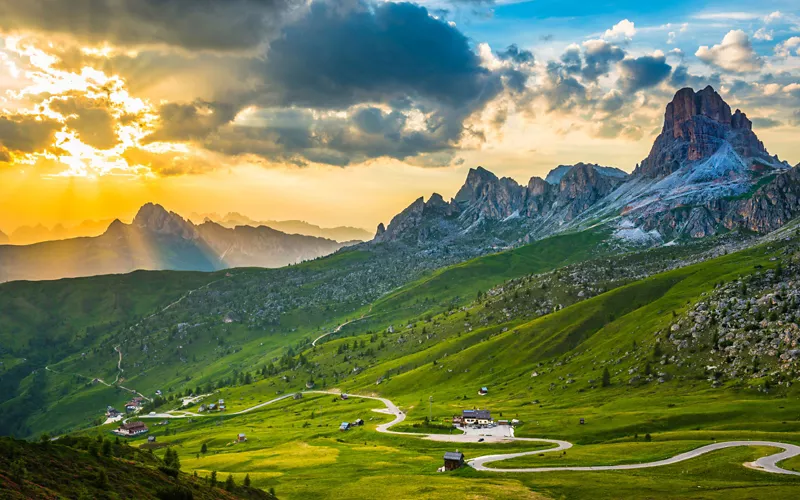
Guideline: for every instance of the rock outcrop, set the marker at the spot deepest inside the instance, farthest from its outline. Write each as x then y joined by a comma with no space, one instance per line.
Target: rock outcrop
696,125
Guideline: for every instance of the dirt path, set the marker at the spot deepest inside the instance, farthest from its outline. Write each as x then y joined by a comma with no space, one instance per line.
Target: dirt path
339,328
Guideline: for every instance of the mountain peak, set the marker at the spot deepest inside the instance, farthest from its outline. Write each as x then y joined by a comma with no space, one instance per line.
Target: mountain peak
697,125
155,218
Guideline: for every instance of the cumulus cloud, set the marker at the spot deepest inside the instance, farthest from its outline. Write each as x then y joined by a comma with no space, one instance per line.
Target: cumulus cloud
24,134
682,78
599,55
734,54
514,53
643,72
221,25
763,34
561,91
788,47
623,30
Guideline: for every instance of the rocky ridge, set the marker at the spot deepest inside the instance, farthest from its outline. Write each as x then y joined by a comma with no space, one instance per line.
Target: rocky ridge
707,172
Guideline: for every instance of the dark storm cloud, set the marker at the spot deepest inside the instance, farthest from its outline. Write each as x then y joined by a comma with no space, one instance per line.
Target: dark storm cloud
378,63
193,24
334,59
26,134
643,72
297,136
90,118
185,122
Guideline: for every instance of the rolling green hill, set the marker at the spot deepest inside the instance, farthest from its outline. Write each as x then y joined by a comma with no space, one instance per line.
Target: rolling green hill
88,468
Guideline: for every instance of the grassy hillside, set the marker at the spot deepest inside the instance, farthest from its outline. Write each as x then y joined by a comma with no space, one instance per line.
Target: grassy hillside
90,468
539,338
58,337
541,349
459,284
43,322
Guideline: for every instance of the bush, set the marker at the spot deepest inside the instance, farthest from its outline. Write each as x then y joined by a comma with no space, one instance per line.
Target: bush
175,493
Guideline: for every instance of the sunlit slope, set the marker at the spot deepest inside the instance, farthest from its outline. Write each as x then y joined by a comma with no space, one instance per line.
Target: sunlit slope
460,283
575,343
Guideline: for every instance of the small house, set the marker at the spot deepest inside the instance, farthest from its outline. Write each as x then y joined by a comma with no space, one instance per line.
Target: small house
453,460
582,421
345,426
212,407
358,422
298,395
241,438
343,396
158,392
458,420
112,412
477,417
483,391
151,439
202,408
132,429
503,422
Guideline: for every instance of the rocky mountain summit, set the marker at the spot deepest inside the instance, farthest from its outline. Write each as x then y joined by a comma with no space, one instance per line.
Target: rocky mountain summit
500,208
696,126
706,172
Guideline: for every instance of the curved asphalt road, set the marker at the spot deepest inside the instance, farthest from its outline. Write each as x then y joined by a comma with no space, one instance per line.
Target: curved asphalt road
766,464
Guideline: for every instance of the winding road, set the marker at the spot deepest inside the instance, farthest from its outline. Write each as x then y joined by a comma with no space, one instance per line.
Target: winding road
765,464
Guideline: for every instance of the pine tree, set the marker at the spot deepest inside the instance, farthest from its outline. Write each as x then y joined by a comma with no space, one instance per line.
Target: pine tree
606,381
107,448
213,478
204,449
229,483
247,480
102,478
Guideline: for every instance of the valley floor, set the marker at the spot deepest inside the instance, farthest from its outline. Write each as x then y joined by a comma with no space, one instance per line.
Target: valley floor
294,446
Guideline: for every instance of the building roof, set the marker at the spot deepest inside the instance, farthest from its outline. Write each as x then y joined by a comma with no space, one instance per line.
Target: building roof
134,425
477,414
241,434
454,455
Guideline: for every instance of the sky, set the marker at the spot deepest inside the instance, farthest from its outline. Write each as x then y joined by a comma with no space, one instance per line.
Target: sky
342,112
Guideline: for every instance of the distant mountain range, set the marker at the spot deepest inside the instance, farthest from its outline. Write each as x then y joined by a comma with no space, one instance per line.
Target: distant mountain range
339,233
26,235
706,173
158,239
